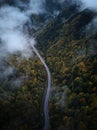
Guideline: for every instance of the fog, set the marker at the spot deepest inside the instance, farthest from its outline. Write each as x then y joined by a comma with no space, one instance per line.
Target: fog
91,4
14,16
12,34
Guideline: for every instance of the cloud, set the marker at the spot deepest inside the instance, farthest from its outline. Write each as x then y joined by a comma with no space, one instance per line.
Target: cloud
14,37
91,4
13,19
36,6
15,15
12,34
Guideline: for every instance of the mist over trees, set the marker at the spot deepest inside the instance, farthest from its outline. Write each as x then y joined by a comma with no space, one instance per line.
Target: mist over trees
66,37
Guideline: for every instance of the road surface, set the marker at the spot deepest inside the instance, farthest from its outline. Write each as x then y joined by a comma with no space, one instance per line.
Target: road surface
47,96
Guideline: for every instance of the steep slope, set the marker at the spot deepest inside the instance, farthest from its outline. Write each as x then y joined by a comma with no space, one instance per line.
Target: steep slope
52,31
72,57
71,54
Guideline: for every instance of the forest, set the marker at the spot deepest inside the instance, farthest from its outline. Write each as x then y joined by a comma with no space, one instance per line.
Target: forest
68,44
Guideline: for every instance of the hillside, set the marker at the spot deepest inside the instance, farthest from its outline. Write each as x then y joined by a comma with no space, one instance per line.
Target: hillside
72,57
68,43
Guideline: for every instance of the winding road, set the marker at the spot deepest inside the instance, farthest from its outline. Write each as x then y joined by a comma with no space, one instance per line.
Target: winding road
46,101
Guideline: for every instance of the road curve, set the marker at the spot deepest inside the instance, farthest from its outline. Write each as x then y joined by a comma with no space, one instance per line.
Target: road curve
46,101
